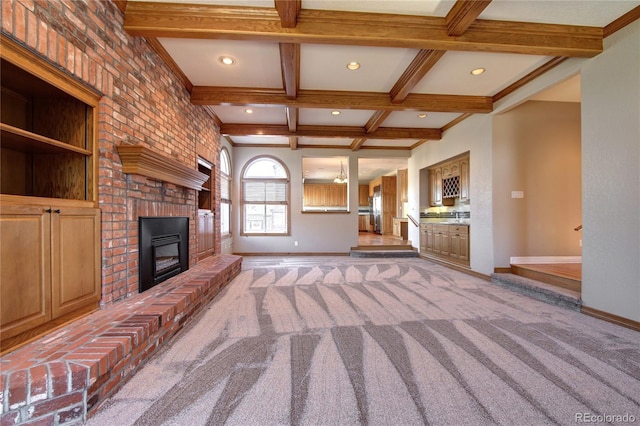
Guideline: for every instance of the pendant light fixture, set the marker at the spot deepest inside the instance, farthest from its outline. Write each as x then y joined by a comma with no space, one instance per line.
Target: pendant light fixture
342,177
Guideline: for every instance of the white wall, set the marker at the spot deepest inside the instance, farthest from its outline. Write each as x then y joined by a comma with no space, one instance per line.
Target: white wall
537,150
314,232
474,135
611,179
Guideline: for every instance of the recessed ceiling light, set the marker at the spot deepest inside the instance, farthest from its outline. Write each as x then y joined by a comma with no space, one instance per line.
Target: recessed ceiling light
227,60
422,115
335,112
353,66
248,111
477,71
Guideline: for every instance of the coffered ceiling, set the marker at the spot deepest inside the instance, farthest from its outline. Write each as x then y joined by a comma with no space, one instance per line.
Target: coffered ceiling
415,59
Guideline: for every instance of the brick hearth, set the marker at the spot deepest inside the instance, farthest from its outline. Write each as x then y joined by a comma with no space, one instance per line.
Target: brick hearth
64,376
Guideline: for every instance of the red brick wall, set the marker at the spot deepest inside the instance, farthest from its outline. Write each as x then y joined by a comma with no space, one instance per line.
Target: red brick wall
144,102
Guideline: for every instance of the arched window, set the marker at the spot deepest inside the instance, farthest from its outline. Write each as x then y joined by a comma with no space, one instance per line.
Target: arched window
265,197
225,192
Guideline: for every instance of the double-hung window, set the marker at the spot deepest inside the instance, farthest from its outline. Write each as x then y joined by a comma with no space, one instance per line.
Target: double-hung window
265,197
225,192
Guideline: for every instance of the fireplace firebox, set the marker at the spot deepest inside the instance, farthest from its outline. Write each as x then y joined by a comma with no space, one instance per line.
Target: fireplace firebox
163,250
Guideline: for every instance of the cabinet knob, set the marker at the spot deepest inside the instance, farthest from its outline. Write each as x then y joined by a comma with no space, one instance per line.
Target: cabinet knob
56,211
48,211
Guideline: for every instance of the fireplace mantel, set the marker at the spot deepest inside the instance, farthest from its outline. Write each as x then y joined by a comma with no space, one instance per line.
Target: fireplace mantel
139,160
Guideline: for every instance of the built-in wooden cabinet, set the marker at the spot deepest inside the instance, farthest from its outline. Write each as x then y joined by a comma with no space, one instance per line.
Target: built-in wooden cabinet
49,221
435,187
403,185
206,239
400,228
464,179
449,181
388,192
459,242
447,242
206,236
50,262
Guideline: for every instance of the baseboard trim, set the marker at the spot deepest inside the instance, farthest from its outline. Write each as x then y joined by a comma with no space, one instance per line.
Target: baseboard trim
502,270
290,254
458,268
615,319
545,259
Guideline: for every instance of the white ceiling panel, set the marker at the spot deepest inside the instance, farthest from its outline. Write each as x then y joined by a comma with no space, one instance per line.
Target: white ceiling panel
392,143
404,7
370,168
591,13
433,120
452,74
260,115
260,140
337,142
257,63
324,168
323,117
324,67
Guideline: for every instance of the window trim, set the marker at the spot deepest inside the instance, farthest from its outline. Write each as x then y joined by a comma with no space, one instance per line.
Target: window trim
286,179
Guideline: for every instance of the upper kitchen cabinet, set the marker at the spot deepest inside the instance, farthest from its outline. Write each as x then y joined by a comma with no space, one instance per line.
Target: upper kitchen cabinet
403,185
449,181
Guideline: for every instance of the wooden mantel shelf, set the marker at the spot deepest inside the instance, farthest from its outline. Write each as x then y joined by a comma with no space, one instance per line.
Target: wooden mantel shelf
139,160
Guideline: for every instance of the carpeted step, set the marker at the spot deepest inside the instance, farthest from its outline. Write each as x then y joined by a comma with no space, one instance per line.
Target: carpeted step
540,291
383,253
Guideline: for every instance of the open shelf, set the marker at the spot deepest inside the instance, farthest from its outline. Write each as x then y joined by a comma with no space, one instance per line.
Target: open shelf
25,141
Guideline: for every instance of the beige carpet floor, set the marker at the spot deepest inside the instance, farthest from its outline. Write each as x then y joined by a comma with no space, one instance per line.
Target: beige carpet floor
344,341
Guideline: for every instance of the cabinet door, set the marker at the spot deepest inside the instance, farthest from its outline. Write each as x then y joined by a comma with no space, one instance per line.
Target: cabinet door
423,238
435,187
75,259
205,234
403,183
464,179
25,293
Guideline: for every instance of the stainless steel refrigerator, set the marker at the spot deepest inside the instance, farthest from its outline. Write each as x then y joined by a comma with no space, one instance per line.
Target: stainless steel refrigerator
377,210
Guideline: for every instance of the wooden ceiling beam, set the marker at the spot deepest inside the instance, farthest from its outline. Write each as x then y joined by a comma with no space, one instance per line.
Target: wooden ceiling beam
419,67
214,95
290,64
288,11
292,118
156,19
462,14
352,132
293,142
357,143
376,121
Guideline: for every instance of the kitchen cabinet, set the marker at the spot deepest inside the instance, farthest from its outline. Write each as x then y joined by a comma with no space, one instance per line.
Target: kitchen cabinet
403,184
451,169
445,242
435,187
400,228
49,220
50,262
459,242
464,179
426,237
363,195
388,191
325,195
363,222
441,242
206,237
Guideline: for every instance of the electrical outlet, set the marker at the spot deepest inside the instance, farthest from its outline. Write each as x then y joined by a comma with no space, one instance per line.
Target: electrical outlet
295,243
517,194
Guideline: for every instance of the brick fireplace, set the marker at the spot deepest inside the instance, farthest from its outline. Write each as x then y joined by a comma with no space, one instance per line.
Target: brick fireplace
60,377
